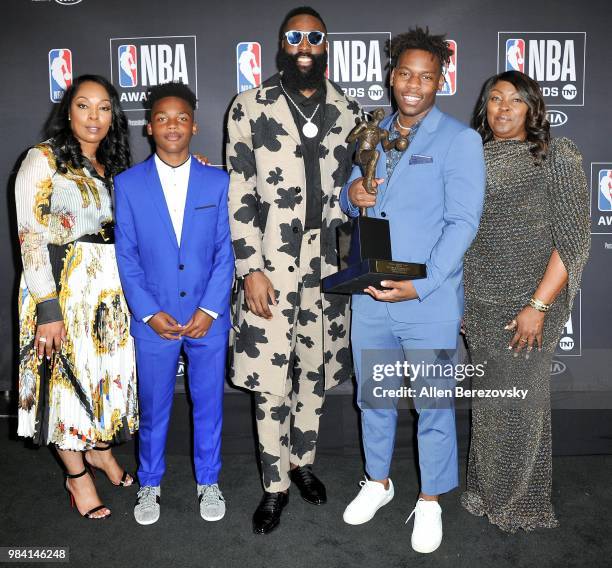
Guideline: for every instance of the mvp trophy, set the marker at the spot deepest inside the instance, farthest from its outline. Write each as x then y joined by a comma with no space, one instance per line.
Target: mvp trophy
364,244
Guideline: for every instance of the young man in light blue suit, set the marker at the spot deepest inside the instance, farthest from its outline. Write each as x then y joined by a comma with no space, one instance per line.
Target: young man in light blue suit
176,266
432,196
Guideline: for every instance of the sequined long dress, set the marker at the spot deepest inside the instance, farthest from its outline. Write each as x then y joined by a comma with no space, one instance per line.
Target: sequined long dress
529,211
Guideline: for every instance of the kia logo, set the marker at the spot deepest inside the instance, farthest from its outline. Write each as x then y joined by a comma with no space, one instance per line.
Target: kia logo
557,367
556,117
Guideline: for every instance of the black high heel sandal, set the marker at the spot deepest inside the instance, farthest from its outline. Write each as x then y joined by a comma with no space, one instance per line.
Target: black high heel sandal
91,467
89,513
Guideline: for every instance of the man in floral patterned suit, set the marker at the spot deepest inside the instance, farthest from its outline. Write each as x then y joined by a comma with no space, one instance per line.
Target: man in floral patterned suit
288,159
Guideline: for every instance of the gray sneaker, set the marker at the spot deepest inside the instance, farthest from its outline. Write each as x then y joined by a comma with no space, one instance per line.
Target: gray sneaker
212,503
147,507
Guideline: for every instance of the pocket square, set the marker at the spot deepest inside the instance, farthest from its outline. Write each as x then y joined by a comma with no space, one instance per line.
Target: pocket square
205,206
420,159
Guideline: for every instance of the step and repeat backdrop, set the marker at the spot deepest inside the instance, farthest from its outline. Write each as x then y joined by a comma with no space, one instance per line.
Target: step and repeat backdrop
222,48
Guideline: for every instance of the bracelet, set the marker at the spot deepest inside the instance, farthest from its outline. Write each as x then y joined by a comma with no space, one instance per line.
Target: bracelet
539,305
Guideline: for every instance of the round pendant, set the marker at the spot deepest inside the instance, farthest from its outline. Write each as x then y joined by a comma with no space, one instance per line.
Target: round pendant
310,130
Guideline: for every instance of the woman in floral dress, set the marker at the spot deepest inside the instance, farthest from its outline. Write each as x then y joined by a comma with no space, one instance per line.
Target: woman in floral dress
77,381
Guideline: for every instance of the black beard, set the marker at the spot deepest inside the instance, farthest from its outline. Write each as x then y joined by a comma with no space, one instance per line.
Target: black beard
295,79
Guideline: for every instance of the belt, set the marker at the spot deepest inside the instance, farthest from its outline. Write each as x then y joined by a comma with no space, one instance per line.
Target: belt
105,236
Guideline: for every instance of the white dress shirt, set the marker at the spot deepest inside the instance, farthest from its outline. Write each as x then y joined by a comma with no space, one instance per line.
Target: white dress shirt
174,182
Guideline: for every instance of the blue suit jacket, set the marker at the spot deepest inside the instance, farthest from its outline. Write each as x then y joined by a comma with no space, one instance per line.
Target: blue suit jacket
158,274
433,203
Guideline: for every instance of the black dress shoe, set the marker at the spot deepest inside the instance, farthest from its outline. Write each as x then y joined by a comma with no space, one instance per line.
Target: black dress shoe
268,513
311,489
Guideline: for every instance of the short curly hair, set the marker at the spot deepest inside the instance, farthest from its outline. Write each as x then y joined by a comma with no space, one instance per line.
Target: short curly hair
173,89
419,38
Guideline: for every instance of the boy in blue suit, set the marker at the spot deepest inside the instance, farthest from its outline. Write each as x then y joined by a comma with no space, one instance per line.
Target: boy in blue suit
432,196
176,266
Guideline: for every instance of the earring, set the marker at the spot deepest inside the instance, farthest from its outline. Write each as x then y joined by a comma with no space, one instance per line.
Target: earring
69,119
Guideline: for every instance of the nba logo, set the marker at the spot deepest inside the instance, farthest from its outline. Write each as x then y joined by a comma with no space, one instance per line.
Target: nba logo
450,71
128,73
605,190
515,55
248,65
60,73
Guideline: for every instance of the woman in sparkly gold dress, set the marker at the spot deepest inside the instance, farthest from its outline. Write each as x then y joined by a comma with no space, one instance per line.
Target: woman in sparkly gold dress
77,381
521,275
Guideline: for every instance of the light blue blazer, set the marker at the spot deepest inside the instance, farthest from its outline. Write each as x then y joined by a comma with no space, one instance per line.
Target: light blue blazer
158,274
433,203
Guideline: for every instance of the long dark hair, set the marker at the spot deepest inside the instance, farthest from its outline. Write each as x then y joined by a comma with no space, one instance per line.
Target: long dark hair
114,150
536,124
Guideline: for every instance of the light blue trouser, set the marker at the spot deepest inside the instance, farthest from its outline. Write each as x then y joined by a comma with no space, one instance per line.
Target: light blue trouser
378,339
156,365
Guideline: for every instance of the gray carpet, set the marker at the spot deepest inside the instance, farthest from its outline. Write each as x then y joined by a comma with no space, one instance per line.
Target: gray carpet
36,512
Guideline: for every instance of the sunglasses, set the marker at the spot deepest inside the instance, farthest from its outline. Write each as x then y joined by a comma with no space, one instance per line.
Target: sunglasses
295,37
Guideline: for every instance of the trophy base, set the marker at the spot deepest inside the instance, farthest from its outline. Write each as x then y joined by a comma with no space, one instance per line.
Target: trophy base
370,272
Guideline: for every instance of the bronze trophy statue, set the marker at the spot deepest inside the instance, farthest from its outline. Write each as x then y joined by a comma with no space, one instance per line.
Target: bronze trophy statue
367,255
369,134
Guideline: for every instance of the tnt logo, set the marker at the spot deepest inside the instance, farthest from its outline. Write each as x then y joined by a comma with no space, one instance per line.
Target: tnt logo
450,72
60,73
570,343
554,59
248,65
569,92
140,63
128,70
515,55
356,61
376,92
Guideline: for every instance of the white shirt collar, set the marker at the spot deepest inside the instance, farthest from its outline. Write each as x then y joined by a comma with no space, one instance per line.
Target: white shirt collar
164,167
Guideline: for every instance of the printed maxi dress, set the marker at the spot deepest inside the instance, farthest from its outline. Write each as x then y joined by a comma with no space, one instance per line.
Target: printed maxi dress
87,392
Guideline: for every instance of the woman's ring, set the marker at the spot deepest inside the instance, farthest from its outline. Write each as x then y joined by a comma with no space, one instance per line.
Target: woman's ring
42,340
523,340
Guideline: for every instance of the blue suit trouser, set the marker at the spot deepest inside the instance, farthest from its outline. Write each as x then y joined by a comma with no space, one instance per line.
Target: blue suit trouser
377,339
156,365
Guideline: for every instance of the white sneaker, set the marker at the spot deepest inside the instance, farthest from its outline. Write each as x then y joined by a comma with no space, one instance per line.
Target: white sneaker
212,503
427,530
147,509
372,497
